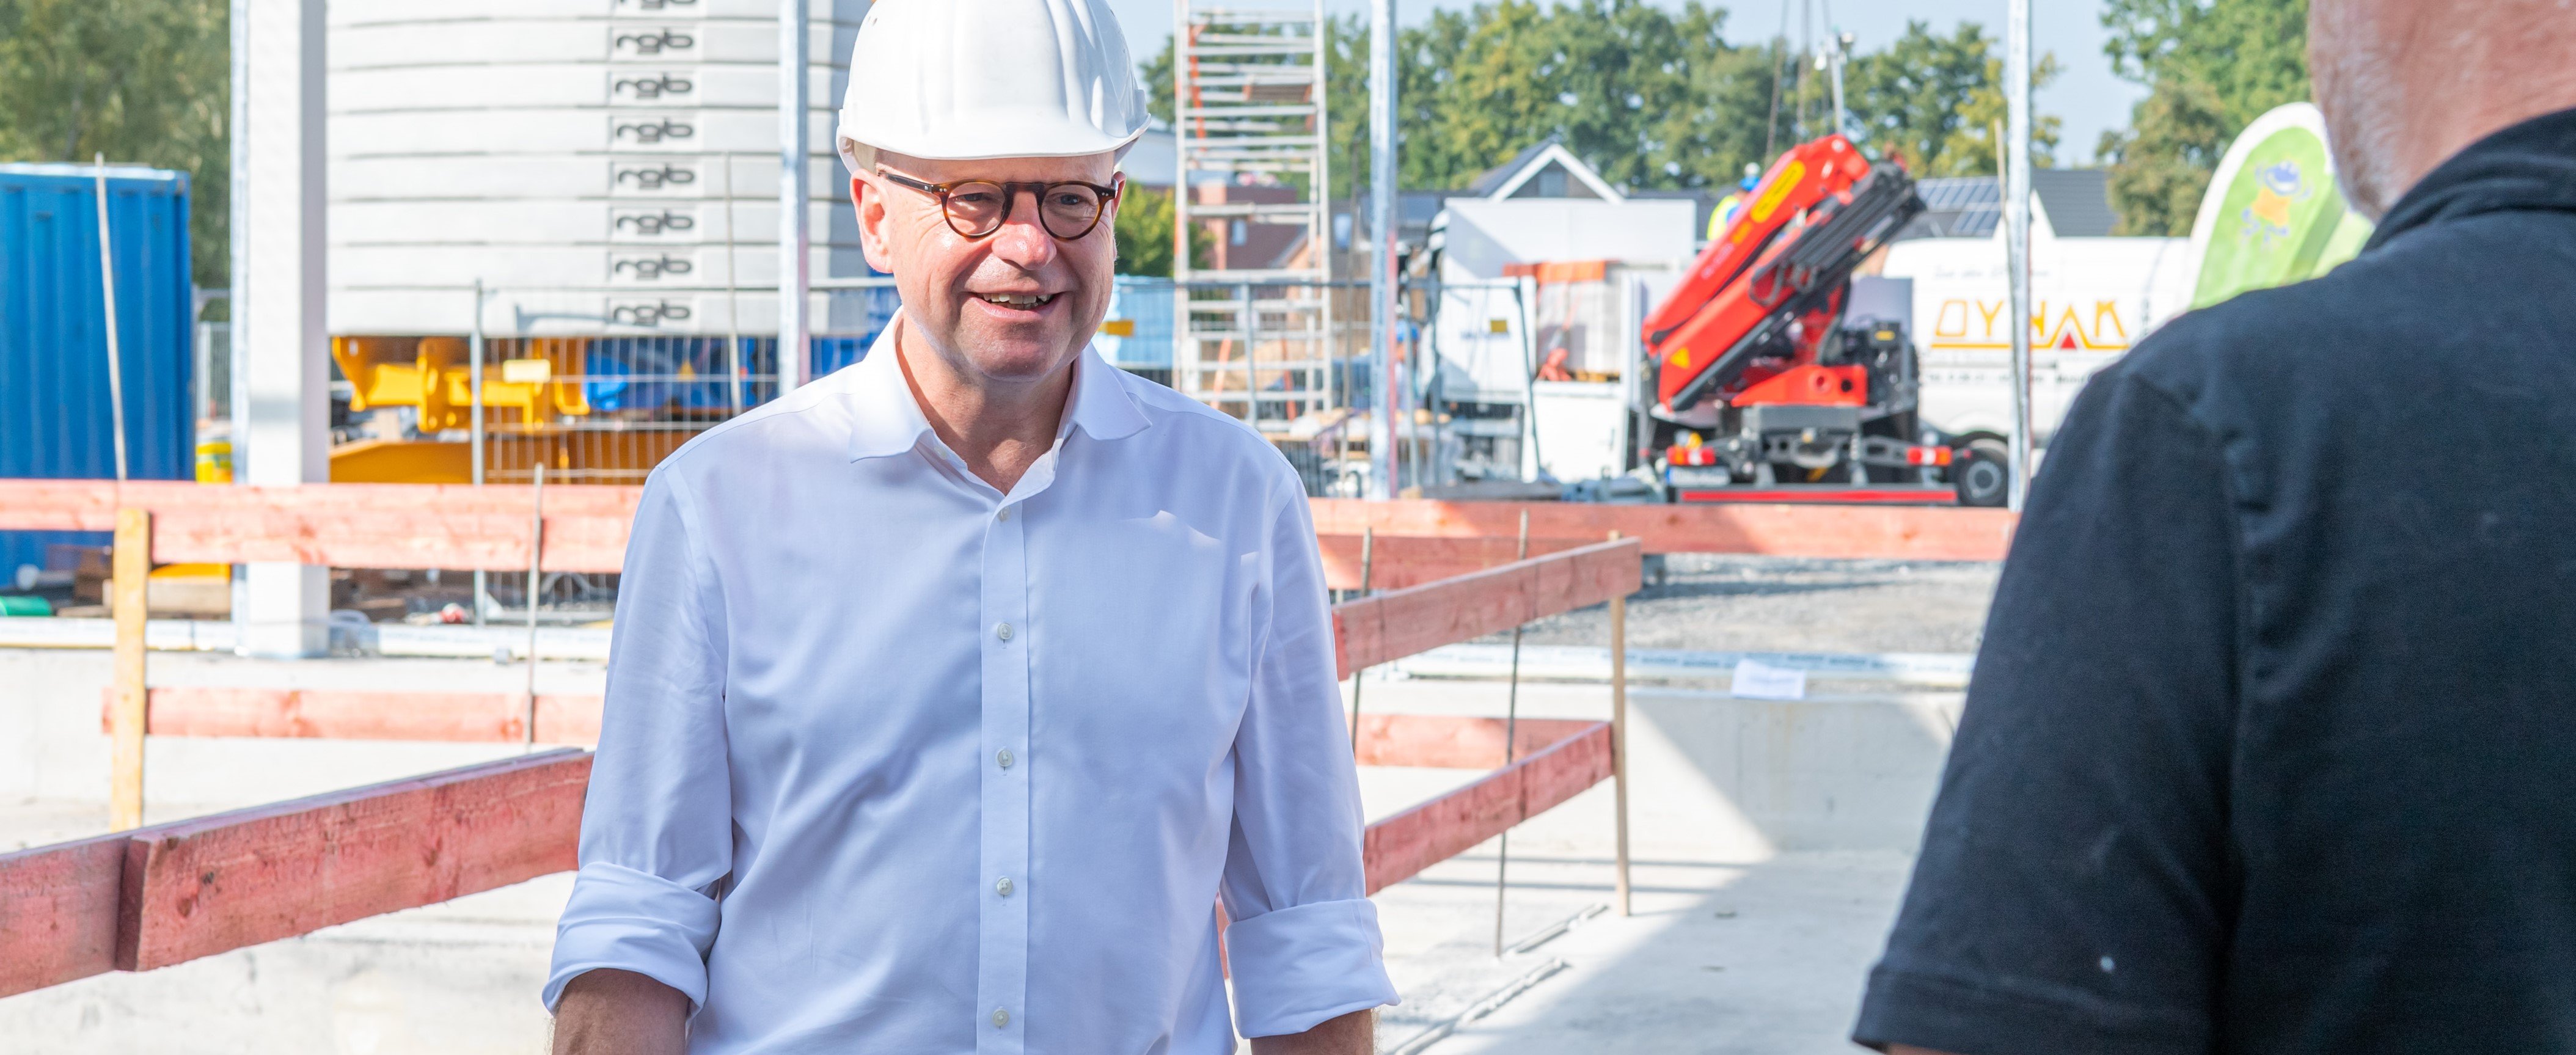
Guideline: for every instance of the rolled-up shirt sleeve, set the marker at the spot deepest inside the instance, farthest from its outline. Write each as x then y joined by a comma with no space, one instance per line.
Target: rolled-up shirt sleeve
656,833
1304,944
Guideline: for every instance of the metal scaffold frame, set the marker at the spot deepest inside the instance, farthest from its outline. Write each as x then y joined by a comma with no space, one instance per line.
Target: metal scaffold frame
1249,103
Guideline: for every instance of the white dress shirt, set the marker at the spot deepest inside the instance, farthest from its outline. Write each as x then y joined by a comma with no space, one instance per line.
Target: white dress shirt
895,762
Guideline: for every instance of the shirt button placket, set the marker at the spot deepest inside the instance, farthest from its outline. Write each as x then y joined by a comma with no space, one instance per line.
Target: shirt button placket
1002,946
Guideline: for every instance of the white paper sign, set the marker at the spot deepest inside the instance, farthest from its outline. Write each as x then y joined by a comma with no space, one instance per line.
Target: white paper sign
1756,680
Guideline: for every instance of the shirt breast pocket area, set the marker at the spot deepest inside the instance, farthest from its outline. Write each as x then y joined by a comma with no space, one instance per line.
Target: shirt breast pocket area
1154,610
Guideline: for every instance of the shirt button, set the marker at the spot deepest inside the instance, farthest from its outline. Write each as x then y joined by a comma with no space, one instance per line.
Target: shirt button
1004,757
1001,1018
1005,514
1002,630
1004,887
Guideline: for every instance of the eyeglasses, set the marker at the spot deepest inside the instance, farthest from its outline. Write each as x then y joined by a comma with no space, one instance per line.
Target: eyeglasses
1068,209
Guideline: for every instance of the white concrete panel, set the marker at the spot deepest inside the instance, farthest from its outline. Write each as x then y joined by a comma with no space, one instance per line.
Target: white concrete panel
557,267
379,12
596,222
465,136
498,91
501,43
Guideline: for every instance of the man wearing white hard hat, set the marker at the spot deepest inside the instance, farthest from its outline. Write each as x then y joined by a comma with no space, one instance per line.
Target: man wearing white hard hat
951,693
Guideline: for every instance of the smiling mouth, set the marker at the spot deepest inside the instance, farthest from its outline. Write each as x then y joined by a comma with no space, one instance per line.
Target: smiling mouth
1018,300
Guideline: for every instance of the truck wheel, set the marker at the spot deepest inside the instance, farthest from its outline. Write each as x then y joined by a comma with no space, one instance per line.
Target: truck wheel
1982,475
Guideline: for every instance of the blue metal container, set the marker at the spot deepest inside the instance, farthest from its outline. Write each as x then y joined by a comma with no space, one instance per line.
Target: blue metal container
55,417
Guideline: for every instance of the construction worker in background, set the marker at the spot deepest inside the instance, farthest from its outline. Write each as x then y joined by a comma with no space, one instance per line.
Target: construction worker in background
951,692
2271,746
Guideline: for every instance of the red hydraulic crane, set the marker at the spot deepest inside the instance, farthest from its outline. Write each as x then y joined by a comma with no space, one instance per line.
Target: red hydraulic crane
1755,378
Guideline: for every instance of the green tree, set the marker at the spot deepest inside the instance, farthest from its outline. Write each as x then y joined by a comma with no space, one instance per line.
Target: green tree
2160,168
2211,67
1649,94
1934,101
1144,226
144,81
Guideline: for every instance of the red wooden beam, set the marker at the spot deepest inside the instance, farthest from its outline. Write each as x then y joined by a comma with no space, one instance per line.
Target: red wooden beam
200,887
1895,533
366,714
1450,742
458,526
1440,741
340,525
58,912
175,892
1401,623
1401,846
1400,561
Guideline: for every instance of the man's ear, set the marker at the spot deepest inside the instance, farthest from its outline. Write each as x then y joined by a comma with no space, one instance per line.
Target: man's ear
870,205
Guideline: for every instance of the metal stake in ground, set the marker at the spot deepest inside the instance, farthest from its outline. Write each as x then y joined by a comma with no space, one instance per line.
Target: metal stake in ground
1511,731
536,545
1619,732
1368,556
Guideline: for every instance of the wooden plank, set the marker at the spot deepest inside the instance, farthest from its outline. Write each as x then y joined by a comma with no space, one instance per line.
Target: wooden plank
340,525
200,887
1401,623
133,571
58,912
458,526
1451,742
1401,846
1402,561
1825,531
367,714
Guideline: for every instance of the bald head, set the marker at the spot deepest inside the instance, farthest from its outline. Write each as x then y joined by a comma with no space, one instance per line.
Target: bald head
2405,84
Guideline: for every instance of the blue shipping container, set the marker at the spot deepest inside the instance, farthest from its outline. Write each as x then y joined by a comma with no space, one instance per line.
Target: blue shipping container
55,418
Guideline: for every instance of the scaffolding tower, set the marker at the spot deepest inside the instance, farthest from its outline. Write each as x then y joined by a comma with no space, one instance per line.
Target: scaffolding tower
1254,341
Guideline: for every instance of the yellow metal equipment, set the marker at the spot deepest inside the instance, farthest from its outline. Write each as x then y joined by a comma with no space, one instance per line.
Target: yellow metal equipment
534,409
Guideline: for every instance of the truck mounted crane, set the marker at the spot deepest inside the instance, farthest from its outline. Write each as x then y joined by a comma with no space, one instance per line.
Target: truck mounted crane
1757,381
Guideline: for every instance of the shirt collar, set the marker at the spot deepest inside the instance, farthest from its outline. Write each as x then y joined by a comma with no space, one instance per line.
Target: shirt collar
885,420
2527,166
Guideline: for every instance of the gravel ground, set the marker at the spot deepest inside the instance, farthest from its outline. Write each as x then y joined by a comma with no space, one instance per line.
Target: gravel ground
1778,604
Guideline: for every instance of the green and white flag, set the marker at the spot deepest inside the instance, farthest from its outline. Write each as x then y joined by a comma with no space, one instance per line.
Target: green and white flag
2272,215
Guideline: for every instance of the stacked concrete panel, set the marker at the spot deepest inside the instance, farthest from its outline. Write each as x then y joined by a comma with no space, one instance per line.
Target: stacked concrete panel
604,167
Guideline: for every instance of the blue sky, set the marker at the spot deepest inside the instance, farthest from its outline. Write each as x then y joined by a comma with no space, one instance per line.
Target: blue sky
2087,97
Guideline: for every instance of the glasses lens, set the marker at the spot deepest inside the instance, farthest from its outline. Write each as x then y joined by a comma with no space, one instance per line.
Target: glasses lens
976,209
1069,209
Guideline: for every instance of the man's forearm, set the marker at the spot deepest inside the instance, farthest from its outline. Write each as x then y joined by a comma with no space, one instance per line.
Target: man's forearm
608,1012
1351,1034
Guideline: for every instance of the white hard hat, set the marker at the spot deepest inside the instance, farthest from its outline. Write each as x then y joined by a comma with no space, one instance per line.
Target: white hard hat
958,80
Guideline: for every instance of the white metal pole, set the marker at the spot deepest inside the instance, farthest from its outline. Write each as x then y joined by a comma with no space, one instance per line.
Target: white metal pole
474,358
237,264
1383,289
733,298
793,262
2017,232
107,294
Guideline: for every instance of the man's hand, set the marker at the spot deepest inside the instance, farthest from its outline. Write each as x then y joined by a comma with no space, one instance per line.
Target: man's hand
610,1012
1351,1034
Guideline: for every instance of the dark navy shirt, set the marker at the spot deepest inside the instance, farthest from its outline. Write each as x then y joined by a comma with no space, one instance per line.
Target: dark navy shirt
2272,743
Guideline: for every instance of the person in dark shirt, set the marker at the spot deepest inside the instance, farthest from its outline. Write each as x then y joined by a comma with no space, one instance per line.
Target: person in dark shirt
2271,746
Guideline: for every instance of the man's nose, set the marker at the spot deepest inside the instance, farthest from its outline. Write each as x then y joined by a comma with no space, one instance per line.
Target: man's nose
1023,237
